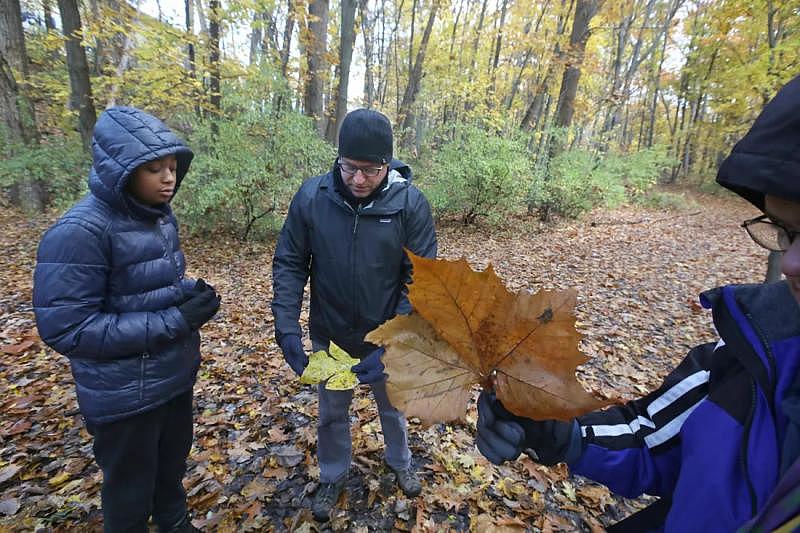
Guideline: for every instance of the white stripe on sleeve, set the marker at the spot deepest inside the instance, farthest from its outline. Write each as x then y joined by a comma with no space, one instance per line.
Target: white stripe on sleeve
677,390
671,429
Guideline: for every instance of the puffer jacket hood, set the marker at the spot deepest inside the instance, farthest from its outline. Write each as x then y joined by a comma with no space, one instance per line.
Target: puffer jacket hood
767,159
125,138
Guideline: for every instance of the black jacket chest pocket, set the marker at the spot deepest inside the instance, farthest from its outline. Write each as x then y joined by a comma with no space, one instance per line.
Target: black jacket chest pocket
381,240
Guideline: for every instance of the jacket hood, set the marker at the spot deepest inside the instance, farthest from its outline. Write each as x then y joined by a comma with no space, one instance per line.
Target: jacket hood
125,138
402,168
767,159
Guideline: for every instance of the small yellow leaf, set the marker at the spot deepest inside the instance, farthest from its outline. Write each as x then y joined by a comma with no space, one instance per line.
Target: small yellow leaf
59,479
320,367
332,368
343,380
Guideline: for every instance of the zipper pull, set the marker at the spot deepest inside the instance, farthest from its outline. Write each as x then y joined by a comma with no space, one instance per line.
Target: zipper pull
355,224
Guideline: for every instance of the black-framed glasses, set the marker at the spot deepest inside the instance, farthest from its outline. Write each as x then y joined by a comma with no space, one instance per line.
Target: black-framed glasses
768,234
350,170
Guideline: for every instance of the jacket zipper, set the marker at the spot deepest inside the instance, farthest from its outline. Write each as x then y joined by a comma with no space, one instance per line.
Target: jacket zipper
353,254
145,357
770,359
745,445
769,394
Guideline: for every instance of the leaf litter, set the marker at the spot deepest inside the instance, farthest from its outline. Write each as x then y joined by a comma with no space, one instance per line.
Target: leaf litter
252,466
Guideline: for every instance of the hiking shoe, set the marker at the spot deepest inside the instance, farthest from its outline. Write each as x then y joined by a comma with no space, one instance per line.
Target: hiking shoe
408,482
184,526
326,497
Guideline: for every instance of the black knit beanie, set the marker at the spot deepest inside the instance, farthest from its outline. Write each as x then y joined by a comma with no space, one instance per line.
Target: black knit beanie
366,135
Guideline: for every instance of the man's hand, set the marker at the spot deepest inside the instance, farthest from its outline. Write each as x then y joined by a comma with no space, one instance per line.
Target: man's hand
293,352
370,369
200,306
503,436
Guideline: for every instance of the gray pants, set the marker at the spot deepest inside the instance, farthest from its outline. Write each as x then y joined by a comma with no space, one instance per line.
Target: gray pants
334,444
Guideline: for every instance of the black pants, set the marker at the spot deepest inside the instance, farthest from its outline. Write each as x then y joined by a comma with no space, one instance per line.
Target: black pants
143,459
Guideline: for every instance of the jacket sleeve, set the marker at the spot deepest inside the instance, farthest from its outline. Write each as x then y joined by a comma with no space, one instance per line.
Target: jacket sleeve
420,239
290,270
635,448
69,291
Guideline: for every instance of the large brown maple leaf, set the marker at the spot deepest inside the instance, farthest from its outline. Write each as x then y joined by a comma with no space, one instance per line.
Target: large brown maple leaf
467,329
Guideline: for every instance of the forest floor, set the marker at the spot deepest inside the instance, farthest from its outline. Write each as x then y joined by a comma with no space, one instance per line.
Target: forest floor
253,465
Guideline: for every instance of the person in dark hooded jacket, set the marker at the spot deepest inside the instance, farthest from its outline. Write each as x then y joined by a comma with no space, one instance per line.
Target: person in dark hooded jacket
347,231
110,294
713,441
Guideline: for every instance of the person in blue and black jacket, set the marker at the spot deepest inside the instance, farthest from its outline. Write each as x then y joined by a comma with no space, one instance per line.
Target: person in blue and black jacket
347,231
713,441
110,294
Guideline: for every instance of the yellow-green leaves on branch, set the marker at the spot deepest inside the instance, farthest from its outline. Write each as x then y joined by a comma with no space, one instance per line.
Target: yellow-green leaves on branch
471,329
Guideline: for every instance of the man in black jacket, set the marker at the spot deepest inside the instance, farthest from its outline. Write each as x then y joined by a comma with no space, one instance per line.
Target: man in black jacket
347,230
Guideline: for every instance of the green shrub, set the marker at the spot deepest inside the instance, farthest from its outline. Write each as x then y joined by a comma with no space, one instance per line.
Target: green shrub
246,172
58,163
477,174
578,180
666,200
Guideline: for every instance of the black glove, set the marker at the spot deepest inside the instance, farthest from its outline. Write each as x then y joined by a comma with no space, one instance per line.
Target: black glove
293,352
503,436
199,309
199,287
370,369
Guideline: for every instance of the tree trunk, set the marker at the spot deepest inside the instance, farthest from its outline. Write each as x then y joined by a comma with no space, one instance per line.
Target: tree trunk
496,55
316,46
585,10
287,37
477,40
661,40
81,88
49,23
256,28
347,40
455,27
16,109
405,116
369,37
201,16
215,95
533,112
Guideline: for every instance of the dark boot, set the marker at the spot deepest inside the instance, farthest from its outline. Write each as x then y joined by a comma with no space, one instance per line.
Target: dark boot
325,499
408,482
184,526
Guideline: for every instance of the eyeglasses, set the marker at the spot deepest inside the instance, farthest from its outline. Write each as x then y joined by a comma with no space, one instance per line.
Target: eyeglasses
769,234
350,170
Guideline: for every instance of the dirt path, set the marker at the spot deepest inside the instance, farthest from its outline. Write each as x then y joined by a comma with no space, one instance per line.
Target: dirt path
253,463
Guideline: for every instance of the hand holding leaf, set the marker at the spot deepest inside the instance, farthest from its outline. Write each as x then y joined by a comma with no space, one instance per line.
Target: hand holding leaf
333,368
470,329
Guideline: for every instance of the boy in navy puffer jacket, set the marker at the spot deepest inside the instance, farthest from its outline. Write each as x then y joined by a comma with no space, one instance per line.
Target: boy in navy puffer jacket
110,294
713,441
